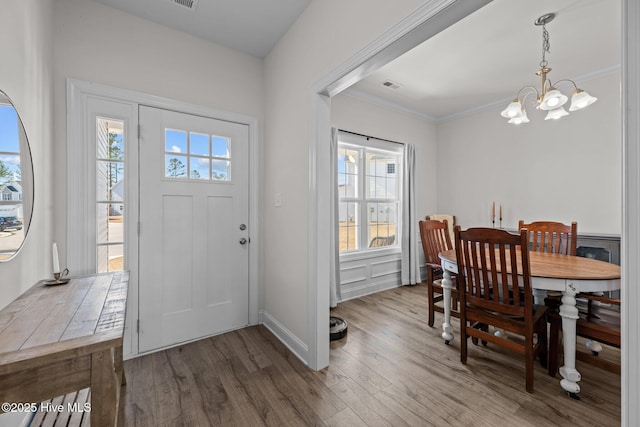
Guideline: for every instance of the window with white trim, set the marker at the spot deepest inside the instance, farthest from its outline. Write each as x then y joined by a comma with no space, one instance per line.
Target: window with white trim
369,193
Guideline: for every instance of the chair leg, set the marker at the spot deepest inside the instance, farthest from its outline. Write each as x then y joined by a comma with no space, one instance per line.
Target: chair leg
528,354
463,344
431,304
542,344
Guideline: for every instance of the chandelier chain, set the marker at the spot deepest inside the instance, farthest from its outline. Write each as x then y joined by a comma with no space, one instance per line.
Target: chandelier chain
545,46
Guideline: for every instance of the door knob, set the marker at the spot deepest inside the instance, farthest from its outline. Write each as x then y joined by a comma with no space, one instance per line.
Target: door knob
243,241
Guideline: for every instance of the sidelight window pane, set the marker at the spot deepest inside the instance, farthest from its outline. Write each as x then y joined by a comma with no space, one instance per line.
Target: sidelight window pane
110,194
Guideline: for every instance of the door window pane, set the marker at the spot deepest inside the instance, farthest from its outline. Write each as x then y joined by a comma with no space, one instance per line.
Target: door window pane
207,158
175,141
220,146
175,166
200,168
220,170
198,144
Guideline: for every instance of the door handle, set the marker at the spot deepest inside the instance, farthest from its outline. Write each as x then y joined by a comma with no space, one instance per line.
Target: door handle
243,241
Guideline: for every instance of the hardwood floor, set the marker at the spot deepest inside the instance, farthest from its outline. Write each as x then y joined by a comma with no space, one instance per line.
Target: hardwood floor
390,370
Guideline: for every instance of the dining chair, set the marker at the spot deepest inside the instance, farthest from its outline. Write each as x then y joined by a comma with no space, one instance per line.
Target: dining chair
435,238
599,320
491,264
556,237
551,236
451,220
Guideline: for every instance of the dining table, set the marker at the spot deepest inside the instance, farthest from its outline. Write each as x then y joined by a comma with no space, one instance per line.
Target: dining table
549,272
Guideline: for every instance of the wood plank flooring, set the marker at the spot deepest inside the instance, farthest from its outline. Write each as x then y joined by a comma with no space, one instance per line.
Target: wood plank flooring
390,370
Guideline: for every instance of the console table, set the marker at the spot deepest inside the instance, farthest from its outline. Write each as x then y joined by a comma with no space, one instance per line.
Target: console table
64,338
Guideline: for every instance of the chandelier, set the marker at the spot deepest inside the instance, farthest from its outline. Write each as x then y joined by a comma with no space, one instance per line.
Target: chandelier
548,98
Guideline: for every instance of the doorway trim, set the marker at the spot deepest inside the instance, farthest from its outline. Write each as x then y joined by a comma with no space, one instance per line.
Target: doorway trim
78,92
426,21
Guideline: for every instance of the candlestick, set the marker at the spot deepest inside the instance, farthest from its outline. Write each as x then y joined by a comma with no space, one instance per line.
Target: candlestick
493,212
56,261
500,212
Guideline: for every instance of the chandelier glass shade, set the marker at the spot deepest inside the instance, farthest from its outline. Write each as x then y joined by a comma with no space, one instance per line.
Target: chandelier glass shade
548,98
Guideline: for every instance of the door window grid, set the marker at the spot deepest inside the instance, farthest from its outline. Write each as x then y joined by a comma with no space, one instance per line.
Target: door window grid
110,194
371,198
197,156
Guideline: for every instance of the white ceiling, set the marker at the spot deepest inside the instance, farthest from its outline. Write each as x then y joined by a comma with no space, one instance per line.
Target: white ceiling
250,26
478,62
487,57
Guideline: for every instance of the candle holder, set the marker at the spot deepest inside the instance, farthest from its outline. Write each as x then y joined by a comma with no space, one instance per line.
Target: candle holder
58,278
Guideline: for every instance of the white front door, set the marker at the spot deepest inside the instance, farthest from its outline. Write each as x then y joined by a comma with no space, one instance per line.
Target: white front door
194,230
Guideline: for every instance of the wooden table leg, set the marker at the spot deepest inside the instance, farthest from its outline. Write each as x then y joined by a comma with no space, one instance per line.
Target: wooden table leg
105,390
569,314
447,285
119,366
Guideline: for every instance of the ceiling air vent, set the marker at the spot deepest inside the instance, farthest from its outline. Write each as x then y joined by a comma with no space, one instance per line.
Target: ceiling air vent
189,4
390,84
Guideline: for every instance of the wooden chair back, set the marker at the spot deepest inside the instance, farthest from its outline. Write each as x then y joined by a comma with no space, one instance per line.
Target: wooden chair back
550,236
496,271
494,281
435,239
451,220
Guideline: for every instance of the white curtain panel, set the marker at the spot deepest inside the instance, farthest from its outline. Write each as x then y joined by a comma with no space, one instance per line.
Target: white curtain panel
410,274
334,265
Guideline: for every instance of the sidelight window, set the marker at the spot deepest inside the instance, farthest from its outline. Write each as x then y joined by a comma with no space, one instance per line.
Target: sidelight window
110,197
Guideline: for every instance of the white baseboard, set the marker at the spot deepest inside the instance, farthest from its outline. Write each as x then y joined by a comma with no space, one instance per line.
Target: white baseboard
289,339
369,289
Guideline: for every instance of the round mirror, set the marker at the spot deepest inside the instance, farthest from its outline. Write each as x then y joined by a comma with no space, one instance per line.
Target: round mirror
16,180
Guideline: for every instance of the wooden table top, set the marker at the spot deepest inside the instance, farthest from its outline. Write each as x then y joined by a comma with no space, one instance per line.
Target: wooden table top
49,322
555,266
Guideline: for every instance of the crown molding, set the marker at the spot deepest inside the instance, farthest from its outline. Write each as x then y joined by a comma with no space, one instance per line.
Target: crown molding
500,103
386,104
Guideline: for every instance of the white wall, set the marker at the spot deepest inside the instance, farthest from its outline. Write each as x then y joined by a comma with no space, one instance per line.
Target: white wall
354,115
25,75
326,34
362,275
565,170
100,44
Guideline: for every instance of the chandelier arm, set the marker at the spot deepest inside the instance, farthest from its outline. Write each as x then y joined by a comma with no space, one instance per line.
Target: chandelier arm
575,86
533,89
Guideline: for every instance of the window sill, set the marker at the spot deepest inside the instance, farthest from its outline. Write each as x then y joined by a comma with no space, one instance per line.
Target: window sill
370,253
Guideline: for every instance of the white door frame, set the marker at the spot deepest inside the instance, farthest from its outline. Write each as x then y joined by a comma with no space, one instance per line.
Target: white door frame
408,33
78,92
426,21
